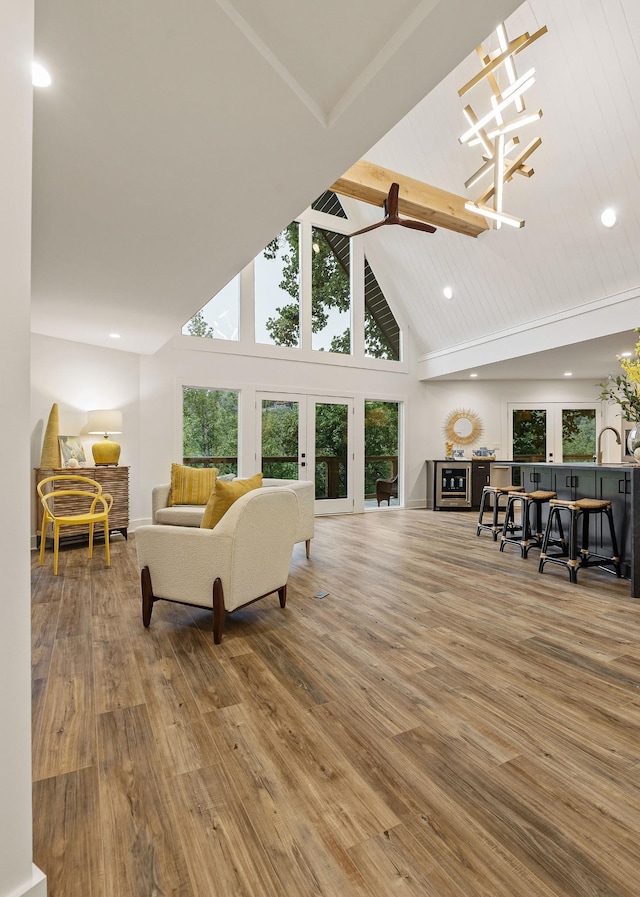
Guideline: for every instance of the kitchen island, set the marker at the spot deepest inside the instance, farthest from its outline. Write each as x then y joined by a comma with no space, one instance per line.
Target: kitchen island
618,483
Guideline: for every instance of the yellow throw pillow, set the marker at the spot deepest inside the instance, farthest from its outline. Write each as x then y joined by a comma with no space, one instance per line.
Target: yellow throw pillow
191,485
224,495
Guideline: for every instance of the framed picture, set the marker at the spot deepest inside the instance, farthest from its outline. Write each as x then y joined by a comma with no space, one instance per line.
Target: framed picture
71,447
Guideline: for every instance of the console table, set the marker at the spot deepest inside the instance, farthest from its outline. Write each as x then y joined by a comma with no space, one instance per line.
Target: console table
114,480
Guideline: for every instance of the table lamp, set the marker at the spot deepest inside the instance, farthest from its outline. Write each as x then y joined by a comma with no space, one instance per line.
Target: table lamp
105,423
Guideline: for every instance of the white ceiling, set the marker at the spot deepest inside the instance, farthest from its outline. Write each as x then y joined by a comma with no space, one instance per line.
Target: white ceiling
563,277
175,141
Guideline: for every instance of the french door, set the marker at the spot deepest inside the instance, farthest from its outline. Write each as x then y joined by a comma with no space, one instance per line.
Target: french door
554,431
309,438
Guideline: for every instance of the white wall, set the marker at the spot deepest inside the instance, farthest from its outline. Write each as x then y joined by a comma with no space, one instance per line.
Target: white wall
489,399
148,390
164,374
18,876
81,378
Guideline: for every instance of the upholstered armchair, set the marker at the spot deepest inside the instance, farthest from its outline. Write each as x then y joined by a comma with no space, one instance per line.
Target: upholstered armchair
246,556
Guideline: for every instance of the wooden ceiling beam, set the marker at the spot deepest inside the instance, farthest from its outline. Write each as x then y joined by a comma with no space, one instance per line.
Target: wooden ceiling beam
370,183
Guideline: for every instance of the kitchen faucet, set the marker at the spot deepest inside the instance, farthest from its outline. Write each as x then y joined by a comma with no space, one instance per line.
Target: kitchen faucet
599,455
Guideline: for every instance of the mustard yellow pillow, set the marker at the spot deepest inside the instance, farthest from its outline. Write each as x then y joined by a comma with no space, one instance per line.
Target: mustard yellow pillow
191,485
224,495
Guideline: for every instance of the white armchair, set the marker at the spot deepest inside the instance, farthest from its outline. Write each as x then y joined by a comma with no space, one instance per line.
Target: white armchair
191,515
244,558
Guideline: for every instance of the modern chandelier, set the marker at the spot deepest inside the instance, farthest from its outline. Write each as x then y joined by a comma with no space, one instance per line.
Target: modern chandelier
493,131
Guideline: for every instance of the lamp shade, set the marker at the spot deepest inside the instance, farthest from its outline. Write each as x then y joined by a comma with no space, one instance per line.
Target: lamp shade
104,423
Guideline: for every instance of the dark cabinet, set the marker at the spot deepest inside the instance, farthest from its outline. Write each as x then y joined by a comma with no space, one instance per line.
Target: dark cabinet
480,477
615,486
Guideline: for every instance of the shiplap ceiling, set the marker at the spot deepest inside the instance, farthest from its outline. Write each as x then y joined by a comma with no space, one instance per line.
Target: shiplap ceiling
175,142
563,278
177,139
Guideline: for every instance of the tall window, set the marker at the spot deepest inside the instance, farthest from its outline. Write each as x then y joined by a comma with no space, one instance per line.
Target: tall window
330,291
302,287
218,319
381,445
210,428
381,331
277,289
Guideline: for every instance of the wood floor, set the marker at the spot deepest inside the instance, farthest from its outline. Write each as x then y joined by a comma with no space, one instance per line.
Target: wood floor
445,722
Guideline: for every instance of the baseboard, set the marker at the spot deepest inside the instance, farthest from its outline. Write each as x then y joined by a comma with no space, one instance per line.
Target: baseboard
136,524
36,887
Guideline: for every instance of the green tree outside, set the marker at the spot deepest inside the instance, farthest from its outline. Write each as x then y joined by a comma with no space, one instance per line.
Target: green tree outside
210,426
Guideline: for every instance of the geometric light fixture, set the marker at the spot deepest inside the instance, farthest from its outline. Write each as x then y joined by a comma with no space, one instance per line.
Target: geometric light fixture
492,132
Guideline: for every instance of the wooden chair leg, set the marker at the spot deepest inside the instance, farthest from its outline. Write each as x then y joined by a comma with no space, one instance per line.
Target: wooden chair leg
219,612
147,596
282,595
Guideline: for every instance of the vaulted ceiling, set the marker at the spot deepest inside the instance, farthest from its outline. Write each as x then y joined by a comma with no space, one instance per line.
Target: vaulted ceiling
175,142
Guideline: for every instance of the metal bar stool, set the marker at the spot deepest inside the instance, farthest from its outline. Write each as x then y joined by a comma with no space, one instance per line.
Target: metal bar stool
524,535
580,510
486,506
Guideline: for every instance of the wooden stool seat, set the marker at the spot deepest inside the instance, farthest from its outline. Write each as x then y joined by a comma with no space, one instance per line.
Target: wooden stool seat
581,509
523,535
495,493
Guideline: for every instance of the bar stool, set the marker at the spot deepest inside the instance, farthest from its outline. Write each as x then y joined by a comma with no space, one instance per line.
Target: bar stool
583,509
525,538
495,493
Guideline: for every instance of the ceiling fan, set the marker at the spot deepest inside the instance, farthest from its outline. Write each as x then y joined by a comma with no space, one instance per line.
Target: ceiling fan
392,217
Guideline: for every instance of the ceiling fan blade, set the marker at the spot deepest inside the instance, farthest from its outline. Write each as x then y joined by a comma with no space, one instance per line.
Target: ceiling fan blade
418,225
391,203
367,229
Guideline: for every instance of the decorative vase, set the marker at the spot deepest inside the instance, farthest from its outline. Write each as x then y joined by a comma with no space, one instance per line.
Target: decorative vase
50,456
633,440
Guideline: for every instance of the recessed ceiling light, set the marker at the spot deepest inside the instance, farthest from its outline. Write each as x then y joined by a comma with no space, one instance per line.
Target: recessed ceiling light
608,217
568,373
40,77
448,293
114,335
473,375
626,354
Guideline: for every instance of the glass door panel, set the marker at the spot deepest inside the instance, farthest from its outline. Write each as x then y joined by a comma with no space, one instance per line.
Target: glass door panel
560,431
529,434
381,452
578,434
280,438
309,437
331,450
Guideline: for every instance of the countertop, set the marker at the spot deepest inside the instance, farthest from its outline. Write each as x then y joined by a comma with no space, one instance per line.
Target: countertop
581,465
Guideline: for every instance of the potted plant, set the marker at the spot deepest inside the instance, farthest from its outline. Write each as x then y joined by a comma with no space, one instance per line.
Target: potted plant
624,389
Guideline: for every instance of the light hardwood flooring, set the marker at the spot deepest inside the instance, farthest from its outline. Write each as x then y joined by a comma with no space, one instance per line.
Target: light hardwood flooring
446,722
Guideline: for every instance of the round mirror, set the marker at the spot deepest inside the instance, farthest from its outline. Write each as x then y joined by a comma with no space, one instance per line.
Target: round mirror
463,427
